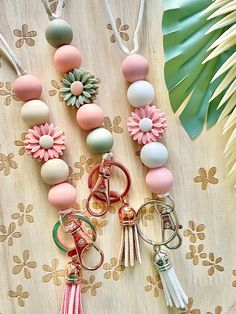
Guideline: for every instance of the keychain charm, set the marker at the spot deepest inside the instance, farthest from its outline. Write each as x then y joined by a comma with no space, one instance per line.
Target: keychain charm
174,294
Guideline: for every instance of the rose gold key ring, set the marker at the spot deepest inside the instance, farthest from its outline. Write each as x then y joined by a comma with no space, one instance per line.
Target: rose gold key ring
101,189
169,221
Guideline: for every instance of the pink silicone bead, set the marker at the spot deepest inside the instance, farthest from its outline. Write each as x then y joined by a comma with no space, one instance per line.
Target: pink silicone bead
90,116
159,180
62,195
27,87
135,68
67,58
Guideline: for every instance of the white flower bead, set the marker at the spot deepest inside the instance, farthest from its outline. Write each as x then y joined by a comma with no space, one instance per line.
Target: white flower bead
54,171
154,155
140,93
35,112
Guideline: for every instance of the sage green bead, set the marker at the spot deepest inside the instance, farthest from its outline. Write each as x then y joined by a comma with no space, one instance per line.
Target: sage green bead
99,141
58,33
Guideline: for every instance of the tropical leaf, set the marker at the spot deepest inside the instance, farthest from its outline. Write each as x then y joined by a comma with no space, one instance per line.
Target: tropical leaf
186,44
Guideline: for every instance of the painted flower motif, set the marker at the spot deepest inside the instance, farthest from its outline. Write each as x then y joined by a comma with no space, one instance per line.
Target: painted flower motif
23,264
113,126
45,142
19,294
154,283
20,143
6,163
218,310
213,264
24,212
56,91
206,177
113,269
147,124
121,29
54,274
90,285
9,233
25,36
53,5
195,232
8,93
189,308
79,87
234,282
196,253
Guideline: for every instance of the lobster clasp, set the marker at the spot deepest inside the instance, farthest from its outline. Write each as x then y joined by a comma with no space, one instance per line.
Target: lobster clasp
82,244
101,189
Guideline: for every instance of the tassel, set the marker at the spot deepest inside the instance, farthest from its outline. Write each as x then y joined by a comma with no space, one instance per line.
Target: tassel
72,301
129,248
174,293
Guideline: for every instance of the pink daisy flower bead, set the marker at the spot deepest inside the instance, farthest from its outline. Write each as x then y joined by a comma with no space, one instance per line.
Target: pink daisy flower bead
147,124
45,142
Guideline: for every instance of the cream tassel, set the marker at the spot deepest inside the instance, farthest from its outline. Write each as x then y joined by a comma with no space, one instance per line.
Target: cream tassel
174,293
129,248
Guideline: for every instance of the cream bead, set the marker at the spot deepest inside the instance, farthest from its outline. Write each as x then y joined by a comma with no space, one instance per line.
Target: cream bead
54,171
154,155
140,93
35,112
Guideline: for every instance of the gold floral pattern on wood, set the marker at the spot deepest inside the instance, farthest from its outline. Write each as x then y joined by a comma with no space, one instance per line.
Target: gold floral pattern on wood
206,177
7,163
121,29
19,294
213,264
197,252
190,310
85,165
24,212
113,125
9,233
21,144
154,284
234,281
25,36
23,264
195,232
56,90
53,273
113,269
6,91
90,285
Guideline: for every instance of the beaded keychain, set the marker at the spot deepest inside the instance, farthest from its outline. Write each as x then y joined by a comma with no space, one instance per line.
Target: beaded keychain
46,143
79,88
147,125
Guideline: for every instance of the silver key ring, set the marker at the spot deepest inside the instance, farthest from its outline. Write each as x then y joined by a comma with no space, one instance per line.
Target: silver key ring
169,218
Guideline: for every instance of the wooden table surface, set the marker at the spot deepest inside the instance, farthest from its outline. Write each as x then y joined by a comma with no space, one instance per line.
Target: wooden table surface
31,267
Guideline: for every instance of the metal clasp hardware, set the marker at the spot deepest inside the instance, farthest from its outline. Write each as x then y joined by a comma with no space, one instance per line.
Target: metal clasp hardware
101,189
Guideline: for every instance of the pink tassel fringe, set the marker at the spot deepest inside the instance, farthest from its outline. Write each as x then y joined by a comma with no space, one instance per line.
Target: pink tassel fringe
72,302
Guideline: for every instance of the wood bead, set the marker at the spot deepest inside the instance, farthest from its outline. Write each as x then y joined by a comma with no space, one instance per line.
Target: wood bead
35,112
54,171
58,33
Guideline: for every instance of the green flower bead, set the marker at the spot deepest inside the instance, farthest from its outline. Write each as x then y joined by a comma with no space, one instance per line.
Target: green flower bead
99,141
58,33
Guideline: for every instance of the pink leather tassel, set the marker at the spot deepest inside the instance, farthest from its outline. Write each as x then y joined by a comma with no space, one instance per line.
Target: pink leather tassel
72,302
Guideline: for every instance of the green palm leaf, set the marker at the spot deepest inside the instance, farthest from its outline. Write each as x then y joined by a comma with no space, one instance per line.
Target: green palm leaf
186,44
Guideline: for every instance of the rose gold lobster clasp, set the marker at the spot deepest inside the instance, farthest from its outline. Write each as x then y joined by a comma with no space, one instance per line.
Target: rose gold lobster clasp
101,189
83,244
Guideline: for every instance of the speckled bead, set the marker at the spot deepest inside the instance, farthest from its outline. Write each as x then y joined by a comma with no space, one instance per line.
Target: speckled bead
154,155
99,141
54,171
35,112
58,33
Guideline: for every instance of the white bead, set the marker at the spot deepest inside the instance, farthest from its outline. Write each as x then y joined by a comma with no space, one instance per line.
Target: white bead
154,155
54,171
35,112
140,93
